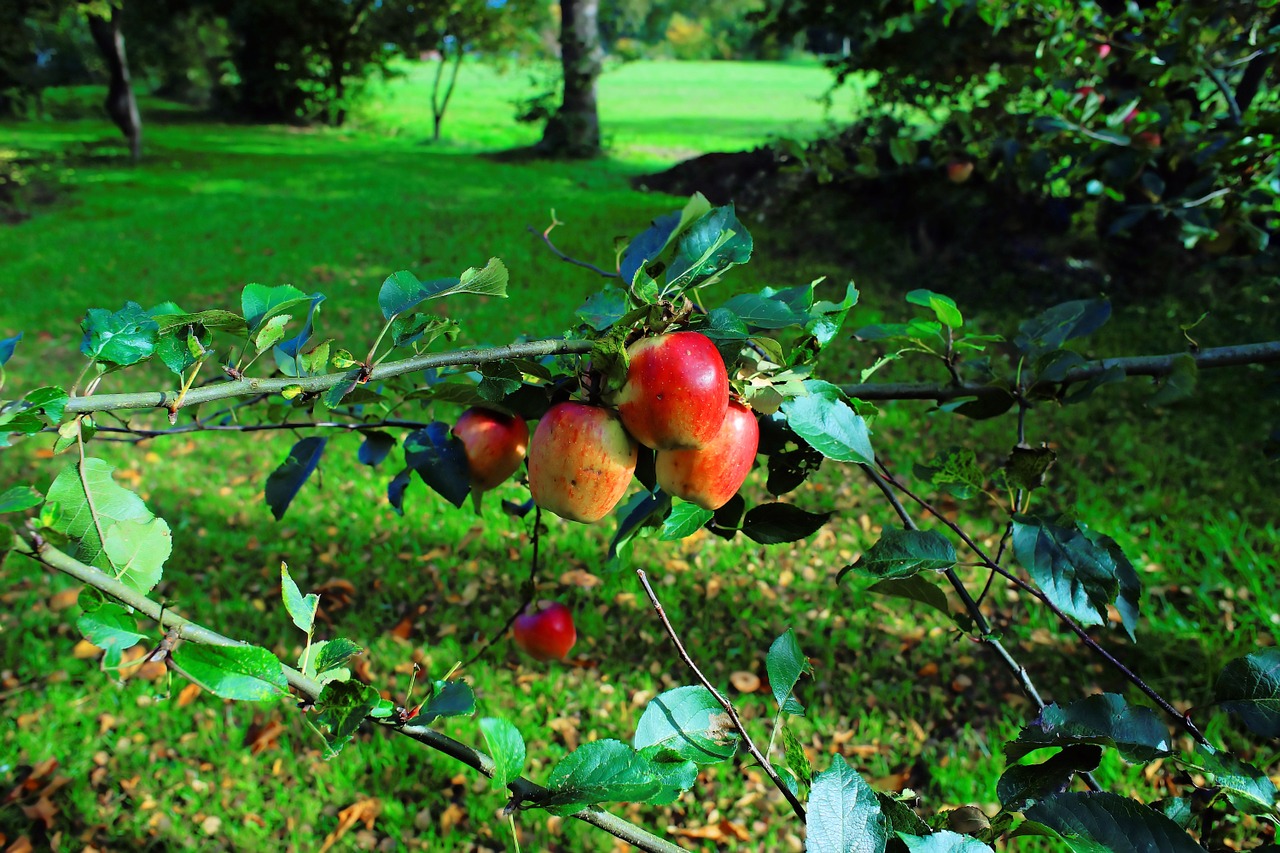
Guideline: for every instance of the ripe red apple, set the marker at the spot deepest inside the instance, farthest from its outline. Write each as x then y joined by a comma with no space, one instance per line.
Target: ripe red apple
959,171
580,461
546,631
1104,50
710,476
676,393
495,445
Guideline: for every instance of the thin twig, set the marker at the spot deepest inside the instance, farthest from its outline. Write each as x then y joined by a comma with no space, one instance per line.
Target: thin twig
530,588
546,238
1183,719
719,697
142,434
28,542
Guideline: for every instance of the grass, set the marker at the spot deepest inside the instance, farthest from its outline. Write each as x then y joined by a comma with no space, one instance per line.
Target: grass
215,206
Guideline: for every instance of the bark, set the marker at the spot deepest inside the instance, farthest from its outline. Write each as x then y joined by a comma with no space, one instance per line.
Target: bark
121,105
574,131
440,103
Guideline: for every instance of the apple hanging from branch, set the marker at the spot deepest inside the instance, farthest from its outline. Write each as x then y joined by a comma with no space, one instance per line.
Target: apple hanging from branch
676,393
545,631
711,475
495,444
580,461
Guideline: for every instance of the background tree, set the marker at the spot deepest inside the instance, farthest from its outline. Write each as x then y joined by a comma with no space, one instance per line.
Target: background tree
574,129
121,104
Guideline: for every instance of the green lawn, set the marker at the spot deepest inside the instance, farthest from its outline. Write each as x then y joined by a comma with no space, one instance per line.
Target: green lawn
214,206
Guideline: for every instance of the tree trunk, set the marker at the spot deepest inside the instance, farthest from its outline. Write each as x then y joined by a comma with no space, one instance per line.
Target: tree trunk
439,99
121,104
574,131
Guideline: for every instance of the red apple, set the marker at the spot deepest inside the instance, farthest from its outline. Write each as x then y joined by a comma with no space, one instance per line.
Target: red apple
546,631
959,171
495,444
1104,50
676,393
1147,139
710,476
580,461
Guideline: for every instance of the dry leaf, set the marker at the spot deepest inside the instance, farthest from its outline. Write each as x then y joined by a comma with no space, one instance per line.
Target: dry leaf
451,817
580,578
19,845
188,694
65,599
745,682
722,831
567,728
404,628
43,810
362,811
261,737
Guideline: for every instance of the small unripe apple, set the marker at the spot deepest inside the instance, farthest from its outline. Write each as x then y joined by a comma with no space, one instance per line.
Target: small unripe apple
676,393
711,475
580,461
545,631
959,171
495,444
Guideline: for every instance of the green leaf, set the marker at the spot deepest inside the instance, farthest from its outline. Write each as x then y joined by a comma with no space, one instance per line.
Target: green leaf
689,722
944,307
1248,788
448,699
334,653
301,609
675,774
242,673
440,460
641,510
50,399
1023,784
340,709
600,771
1076,574
604,308
111,628
777,523
955,471
1026,466
797,760
402,290
785,664
124,337
489,280
1103,719
284,482
1250,687
499,378
831,427
648,245
916,588
260,302
761,312
138,551
1179,384
406,330
1102,821
902,553
713,244
74,518
506,746
218,319
19,498
944,841
272,332
180,351
685,520
310,658
844,814
1061,323
902,818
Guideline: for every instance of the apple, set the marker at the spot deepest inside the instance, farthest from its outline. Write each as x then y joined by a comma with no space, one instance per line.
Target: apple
711,475
676,393
580,461
1104,50
1086,91
959,171
1147,139
545,631
495,445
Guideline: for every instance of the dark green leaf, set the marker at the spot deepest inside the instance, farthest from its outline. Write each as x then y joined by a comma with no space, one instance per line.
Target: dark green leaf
830,427
1103,719
301,609
1178,810
917,588
944,841
1054,365
902,553
284,482
411,329
1248,788
1023,784
1077,575
604,308
180,351
1095,821
763,312
685,520
138,550
1027,466
18,498
728,518
1061,323
1107,377
776,523
340,709
903,819
448,699
713,244
1179,384
844,815
1250,687
335,653
242,673
797,760
506,746
641,510
499,378
399,292
646,247
440,460
675,774
112,503
689,722
111,628
7,346
124,337
396,489
789,468
600,771
375,447
785,664
261,302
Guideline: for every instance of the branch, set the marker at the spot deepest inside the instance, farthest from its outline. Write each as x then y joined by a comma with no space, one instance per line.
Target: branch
546,238
322,382
141,434
719,697
1143,365
1074,626
28,542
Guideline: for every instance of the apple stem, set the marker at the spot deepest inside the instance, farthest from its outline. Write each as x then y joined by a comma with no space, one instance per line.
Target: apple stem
530,590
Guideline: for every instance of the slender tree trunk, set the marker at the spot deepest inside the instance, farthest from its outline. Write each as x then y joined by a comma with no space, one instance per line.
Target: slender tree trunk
440,104
574,131
121,105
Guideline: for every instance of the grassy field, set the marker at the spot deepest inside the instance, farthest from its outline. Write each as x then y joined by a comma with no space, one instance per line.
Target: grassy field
214,206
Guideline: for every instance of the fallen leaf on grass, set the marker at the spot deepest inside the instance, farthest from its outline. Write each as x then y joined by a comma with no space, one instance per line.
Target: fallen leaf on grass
361,811
404,628
263,736
451,817
42,810
745,682
65,599
188,694
725,830
580,578
20,845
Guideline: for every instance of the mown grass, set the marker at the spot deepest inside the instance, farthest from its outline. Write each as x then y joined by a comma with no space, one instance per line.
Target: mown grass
910,703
